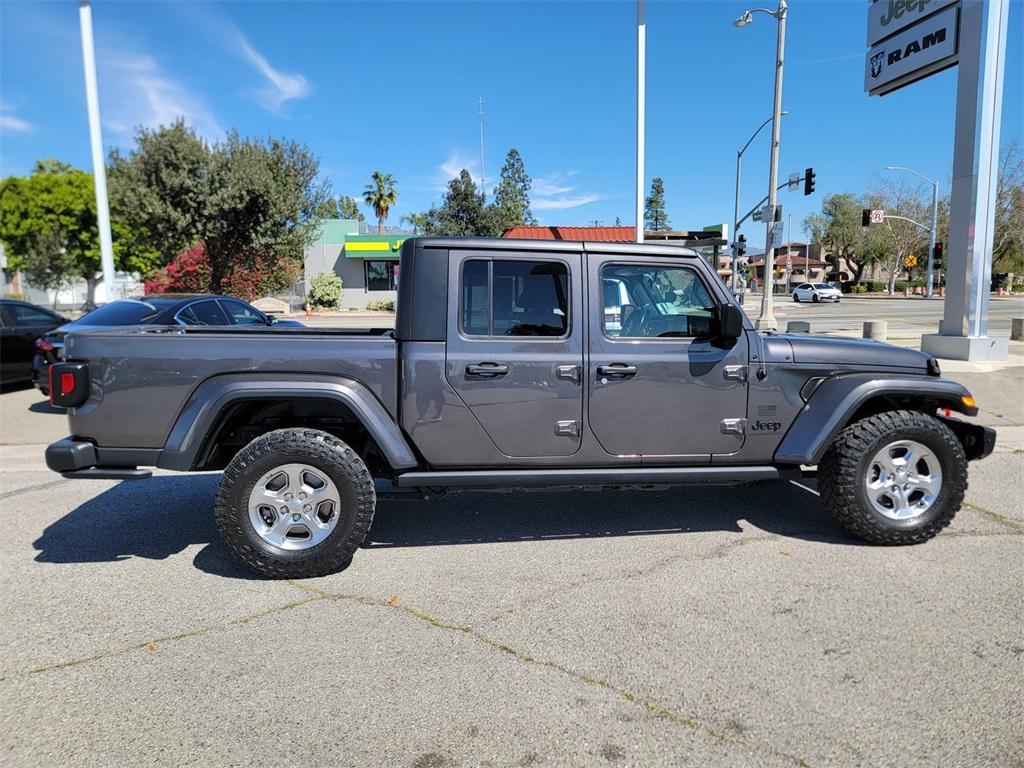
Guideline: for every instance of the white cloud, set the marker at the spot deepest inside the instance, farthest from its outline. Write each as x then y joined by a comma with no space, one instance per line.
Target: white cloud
281,87
12,123
143,94
572,201
456,161
552,193
552,184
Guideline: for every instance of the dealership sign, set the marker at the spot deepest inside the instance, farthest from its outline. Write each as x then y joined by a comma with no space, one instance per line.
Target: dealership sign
919,50
887,17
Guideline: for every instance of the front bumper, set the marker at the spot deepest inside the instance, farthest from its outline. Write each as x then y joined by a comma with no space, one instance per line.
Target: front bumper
978,441
77,459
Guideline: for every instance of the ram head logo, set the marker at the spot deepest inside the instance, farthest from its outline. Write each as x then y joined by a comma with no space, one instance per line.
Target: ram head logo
877,62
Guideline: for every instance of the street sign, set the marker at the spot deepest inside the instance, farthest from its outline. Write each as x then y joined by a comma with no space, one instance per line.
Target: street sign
911,55
887,17
878,217
794,182
755,216
777,231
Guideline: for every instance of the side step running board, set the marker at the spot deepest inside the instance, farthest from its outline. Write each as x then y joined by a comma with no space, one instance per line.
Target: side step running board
108,473
539,478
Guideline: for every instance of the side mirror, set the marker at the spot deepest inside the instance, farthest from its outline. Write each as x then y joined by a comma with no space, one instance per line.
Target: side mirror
271,320
730,321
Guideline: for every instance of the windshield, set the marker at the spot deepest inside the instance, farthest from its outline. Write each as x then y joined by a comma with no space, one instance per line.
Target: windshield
123,312
822,286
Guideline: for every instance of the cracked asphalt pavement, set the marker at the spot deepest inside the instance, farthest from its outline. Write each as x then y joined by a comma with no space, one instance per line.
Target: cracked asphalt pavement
695,626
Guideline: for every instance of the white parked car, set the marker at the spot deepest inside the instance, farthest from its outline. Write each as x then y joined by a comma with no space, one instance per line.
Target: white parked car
816,292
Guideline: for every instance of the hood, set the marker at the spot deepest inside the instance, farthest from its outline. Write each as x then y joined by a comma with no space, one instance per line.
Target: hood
856,353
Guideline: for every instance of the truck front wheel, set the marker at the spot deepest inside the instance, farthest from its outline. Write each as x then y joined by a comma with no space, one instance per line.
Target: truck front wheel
295,503
897,477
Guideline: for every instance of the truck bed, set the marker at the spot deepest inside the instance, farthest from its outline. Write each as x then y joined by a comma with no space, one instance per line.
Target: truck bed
153,371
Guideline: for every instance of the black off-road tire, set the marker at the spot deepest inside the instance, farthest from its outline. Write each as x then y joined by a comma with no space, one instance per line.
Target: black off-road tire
317,449
842,470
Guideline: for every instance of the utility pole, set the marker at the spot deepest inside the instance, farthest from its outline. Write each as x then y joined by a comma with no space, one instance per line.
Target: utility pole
641,86
480,113
99,169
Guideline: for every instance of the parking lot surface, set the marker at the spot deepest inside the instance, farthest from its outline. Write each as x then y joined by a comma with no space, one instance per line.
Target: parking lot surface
694,626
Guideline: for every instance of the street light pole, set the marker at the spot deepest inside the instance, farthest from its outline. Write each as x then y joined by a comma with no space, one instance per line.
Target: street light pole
935,224
736,207
766,320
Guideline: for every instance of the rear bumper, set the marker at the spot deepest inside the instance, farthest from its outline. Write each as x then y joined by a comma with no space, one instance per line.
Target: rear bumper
75,459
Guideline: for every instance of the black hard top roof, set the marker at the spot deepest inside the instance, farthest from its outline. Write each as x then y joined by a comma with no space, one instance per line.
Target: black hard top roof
590,246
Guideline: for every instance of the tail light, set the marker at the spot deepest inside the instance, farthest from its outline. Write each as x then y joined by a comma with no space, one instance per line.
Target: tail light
43,345
69,384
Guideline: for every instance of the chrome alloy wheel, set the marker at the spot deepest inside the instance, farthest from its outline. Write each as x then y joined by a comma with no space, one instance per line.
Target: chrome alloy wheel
294,506
903,480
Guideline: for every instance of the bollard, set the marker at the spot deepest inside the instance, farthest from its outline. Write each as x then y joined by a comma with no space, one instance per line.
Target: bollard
1017,329
876,329
798,326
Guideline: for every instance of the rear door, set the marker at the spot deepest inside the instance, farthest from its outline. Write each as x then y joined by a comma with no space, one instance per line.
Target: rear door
660,383
515,347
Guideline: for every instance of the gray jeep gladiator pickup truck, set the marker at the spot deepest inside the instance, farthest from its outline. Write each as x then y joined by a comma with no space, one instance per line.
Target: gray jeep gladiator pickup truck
515,364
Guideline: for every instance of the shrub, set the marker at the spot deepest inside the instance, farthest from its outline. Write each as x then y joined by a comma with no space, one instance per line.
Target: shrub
325,291
250,278
381,305
859,288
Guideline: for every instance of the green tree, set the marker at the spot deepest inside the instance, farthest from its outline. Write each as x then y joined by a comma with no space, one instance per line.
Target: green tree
380,194
511,206
341,207
837,229
241,198
419,222
655,215
48,225
348,208
462,212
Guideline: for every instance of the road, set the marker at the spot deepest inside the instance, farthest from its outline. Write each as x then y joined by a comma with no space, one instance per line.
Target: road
907,318
700,626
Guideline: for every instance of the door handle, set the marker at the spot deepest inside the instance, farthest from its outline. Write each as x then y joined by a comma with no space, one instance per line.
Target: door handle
490,370
616,369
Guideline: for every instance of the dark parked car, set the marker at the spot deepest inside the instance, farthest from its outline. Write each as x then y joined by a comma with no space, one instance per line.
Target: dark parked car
21,324
165,309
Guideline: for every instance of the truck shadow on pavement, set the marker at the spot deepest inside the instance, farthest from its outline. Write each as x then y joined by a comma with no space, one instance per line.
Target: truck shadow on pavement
165,515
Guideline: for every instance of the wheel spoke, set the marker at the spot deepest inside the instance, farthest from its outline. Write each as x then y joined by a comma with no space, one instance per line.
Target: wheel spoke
282,525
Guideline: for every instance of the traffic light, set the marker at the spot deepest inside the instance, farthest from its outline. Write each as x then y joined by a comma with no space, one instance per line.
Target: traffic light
865,217
808,181
937,254
741,246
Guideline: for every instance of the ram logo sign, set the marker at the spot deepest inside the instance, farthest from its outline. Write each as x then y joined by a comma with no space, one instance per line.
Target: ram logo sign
915,53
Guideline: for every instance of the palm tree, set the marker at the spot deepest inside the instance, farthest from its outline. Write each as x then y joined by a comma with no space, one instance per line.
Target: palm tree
380,194
418,222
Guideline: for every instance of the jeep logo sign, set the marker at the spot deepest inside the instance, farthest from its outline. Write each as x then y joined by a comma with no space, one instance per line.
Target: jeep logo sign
915,53
887,17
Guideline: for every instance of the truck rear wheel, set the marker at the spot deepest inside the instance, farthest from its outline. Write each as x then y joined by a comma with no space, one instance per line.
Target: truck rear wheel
295,503
897,477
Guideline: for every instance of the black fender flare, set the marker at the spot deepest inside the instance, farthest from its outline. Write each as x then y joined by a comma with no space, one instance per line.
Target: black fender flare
837,398
207,402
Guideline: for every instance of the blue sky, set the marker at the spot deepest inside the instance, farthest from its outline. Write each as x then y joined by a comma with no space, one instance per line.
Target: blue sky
394,86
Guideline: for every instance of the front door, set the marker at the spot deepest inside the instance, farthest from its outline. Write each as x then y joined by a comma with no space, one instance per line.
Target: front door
660,384
515,348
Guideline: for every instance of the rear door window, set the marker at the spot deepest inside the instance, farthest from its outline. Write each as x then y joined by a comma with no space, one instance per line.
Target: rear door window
515,298
26,316
203,313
